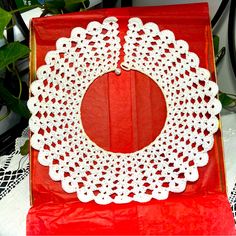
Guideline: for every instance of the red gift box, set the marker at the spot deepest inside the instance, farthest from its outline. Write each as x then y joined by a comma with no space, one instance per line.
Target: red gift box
118,115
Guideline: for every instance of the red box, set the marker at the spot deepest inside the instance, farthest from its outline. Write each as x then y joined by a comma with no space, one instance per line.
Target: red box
202,208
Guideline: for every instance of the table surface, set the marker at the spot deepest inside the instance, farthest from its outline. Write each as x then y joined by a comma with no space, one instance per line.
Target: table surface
14,207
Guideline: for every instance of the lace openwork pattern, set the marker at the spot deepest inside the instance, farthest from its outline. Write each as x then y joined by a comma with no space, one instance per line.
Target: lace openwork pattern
13,167
93,173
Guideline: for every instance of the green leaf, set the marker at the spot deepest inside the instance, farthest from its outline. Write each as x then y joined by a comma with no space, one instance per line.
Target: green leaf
76,5
86,3
216,41
226,100
5,18
24,149
220,55
11,52
13,103
54,5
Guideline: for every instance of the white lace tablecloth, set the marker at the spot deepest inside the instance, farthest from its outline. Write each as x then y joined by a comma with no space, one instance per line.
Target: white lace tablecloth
14,206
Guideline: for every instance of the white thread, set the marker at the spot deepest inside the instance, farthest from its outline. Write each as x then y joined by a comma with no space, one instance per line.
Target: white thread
163,166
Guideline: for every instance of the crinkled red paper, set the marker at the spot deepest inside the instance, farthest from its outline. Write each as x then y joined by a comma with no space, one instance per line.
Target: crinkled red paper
119,116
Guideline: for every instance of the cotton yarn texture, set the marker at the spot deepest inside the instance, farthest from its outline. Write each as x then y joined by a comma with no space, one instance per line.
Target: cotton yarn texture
163,166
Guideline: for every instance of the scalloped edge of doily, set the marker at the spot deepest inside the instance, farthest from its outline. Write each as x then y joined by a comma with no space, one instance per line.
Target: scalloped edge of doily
145,197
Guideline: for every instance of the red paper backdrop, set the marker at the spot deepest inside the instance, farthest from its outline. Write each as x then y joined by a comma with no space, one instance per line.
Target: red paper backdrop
124,114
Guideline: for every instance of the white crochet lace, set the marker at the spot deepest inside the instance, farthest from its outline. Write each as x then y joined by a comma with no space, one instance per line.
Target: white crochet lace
13,167
152,172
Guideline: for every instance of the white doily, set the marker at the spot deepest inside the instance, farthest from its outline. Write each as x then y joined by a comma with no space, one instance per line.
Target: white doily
163,166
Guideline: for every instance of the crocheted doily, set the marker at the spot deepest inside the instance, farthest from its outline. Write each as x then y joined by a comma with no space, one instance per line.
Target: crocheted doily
163,166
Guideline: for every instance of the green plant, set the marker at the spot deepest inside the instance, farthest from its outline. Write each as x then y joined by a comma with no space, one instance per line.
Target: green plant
64,6
227,100
11,53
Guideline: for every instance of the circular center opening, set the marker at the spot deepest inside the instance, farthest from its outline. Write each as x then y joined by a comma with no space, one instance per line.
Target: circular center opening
124,113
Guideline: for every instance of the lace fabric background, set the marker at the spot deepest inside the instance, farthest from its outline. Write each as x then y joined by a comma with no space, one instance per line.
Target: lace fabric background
229,138
14,167
232,200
